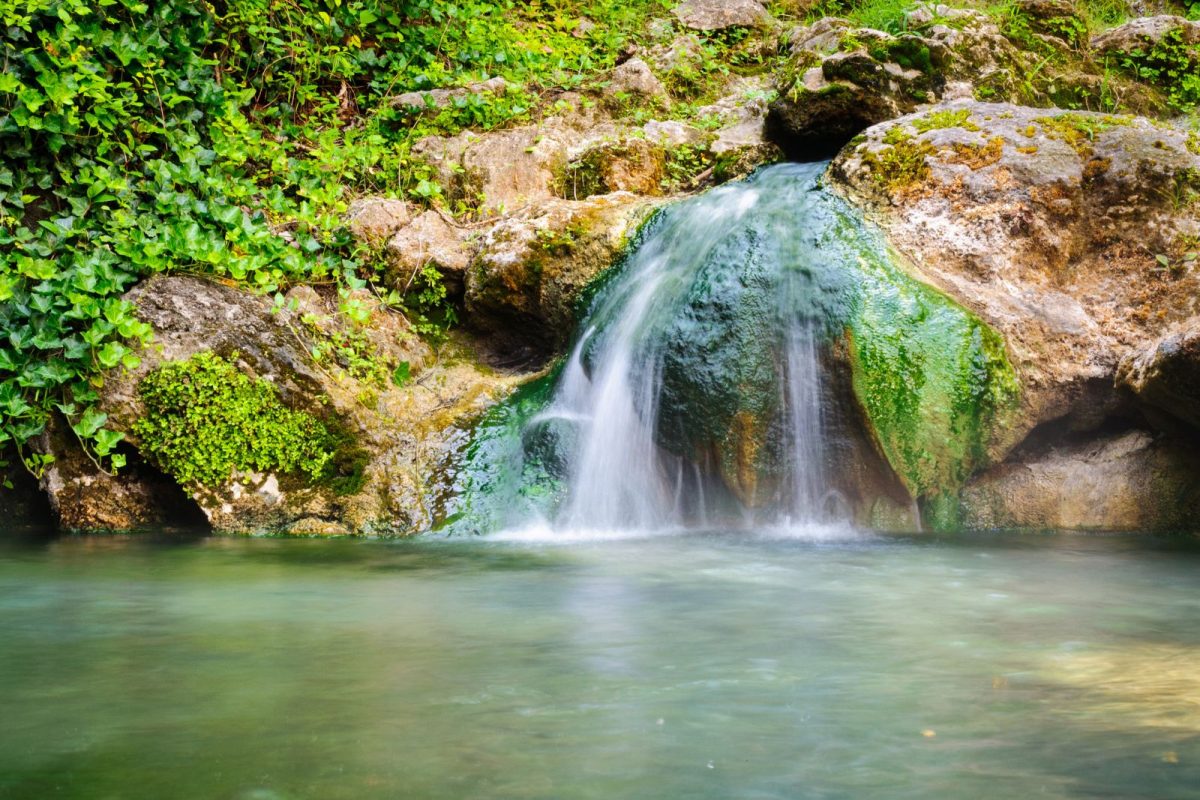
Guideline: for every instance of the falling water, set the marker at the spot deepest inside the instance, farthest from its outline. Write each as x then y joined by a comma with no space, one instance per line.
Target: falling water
618,473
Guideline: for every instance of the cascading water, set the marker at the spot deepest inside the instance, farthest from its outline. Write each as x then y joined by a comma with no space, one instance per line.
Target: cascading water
619,474
699,391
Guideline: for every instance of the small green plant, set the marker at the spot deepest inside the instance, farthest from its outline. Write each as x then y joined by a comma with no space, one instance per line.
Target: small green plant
1173,66
902,163
206,420
1080,130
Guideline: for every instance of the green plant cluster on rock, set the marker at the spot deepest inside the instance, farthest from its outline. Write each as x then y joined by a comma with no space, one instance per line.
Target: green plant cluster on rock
206,420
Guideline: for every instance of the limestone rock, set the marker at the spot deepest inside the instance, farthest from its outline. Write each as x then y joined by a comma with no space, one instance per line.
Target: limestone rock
1045,224
1125,482
715,15
626,164
498,172
373,219
635,77
839,79
397,434
1048,226
440,98
430,239
1166,374
523,287
1144,33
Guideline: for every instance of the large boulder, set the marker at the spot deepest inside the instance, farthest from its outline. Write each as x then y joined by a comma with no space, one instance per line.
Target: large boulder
1068,233
1049,225
390,407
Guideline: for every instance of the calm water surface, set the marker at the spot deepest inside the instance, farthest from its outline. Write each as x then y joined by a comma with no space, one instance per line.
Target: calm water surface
700,665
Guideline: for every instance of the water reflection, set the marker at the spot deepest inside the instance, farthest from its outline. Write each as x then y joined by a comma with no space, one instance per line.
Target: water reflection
700,665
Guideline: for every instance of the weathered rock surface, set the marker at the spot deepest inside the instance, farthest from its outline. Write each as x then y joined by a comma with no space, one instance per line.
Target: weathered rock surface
635,77
840,79
440,98
715,15
1066,232
399,433
1132,481
374,219
1146,32
525,283
1166,374
1046,224
434,239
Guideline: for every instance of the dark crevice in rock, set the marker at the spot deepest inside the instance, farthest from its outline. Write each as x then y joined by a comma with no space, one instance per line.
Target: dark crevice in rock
175,507
817,143
24,506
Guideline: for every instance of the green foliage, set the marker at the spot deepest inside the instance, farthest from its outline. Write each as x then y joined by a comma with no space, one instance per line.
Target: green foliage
889,16
225,139
205,420
1080,130
1173,66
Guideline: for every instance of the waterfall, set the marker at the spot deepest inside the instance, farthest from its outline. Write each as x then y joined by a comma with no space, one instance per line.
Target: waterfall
620,472
762,360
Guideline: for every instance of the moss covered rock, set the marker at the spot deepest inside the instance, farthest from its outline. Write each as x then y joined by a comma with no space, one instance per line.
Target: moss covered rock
1068,233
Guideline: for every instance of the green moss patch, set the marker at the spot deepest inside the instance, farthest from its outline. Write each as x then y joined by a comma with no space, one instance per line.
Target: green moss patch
1080,130
938,120
934,381
206,420
902,163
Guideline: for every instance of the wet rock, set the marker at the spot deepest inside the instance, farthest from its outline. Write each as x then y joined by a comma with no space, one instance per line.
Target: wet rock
1131,481
523,287
715,15
1166,373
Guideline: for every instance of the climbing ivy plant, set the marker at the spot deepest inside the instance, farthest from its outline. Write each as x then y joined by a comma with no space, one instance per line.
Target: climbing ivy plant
223,138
